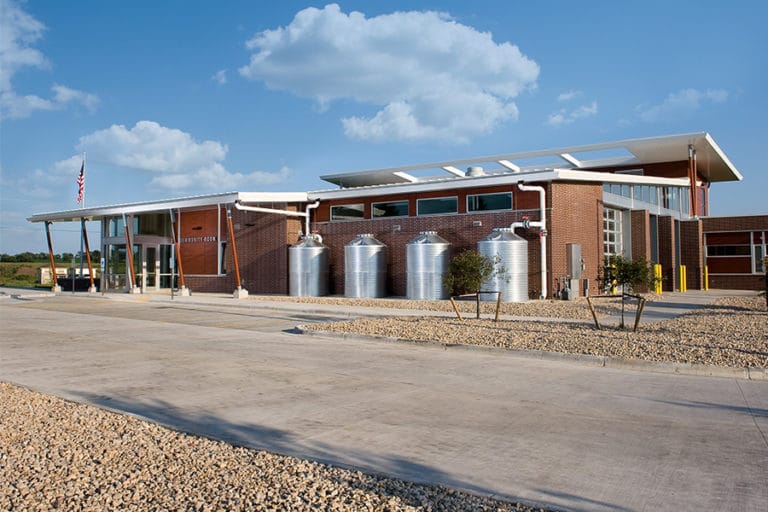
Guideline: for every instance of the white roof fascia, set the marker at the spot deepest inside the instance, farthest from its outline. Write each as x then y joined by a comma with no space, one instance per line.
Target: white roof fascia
609,177
433,185
273,197
722,155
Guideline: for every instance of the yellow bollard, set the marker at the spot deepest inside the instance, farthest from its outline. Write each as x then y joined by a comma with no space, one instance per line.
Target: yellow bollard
706,277
657,274
682,281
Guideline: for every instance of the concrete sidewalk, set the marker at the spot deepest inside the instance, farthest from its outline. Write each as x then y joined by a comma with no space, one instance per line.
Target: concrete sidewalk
667,306
549,432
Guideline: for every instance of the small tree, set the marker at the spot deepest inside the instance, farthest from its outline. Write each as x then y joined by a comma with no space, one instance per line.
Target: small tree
628,274
467,272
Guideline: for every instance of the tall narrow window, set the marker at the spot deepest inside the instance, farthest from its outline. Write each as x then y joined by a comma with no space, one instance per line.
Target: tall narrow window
612,232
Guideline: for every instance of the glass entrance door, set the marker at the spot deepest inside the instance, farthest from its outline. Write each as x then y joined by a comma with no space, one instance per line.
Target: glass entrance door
166,266
151,264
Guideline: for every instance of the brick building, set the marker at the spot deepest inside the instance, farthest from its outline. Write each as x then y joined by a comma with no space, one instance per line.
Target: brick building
640,198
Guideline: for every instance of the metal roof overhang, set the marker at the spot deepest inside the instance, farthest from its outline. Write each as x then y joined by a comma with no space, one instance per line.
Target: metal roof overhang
99,212
494,179
712,162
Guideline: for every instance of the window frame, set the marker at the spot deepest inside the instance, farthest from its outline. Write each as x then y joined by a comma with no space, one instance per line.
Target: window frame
351,206
419,201
407,209
509,193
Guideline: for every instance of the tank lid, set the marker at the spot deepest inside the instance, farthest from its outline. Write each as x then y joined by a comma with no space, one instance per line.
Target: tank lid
503,235
364,239
312,240
429,237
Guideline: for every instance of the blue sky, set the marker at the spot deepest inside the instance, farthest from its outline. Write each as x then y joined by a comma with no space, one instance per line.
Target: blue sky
178,98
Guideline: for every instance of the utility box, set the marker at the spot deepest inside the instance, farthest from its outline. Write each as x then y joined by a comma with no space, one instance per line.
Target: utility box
574,268
574,263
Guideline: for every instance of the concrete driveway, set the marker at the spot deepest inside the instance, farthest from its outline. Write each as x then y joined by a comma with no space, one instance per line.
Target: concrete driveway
556,433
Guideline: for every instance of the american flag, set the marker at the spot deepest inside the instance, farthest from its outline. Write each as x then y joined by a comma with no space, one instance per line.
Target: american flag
81,183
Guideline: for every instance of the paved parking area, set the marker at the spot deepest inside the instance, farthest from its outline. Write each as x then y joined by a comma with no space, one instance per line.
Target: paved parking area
541,431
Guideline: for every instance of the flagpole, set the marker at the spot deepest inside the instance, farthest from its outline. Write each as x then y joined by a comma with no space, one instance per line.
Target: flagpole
82,206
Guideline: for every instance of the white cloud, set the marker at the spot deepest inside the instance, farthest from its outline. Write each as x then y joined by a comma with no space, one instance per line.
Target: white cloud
178,160
220,77
18,32
430,76
64,95
569,95
564,116
681,103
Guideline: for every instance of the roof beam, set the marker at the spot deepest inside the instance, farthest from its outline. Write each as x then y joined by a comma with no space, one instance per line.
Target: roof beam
570,159
453,170
509,165
406,176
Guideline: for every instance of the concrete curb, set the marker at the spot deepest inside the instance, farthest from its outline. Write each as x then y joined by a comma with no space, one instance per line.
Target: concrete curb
699,370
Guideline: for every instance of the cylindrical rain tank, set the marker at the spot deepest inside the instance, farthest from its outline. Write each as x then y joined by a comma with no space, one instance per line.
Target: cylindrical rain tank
365,267
308,267
511,254
427,257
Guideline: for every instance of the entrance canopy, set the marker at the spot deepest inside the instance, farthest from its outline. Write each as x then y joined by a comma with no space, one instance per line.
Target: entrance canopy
99,212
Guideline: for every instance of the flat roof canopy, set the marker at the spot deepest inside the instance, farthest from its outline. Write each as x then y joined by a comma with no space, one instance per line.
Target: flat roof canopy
99,212
712,163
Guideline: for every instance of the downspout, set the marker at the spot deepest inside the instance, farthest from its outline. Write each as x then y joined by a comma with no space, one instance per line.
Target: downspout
542,225
310,207
261,209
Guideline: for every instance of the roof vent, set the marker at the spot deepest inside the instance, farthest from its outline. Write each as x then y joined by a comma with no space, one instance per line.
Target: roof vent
475,171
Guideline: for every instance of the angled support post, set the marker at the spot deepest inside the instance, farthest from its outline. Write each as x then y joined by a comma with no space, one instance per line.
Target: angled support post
55,288
92,286
183,290
240,292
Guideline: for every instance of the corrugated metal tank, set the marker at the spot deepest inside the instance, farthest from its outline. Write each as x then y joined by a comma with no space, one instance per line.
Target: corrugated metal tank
512,251
427,257
365,267
308,267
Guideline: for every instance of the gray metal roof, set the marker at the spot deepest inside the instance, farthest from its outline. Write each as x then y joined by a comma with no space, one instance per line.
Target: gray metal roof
711,160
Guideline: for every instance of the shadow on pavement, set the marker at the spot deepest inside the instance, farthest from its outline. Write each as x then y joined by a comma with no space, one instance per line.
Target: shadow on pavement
283,442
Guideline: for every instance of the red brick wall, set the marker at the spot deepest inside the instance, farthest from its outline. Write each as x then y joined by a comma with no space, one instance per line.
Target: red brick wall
262,241
667,256
692,253
733,273
736,223
576,216
737,282
640,230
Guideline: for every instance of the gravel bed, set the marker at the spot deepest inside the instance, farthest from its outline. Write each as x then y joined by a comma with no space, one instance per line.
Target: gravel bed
732,332
56,454
574,309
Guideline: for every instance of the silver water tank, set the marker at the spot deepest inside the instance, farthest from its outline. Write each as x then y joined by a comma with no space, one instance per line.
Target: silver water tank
365,267
512,253
426,258
308,267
